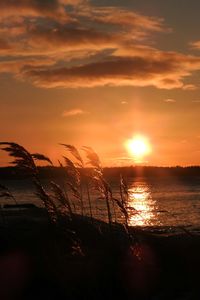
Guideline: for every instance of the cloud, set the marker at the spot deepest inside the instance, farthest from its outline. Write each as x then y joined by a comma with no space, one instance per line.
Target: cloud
64,39
74,112
18,66
73,2
170,100
190,87
33,8
166,72
195,45
72,43
123,17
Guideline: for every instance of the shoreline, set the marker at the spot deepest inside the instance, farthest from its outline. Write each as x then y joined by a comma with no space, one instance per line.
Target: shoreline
33,213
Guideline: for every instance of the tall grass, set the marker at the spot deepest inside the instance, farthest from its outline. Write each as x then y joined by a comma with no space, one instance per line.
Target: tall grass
64,202
74,196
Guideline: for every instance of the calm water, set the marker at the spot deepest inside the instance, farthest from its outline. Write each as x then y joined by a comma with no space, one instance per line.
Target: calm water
161,204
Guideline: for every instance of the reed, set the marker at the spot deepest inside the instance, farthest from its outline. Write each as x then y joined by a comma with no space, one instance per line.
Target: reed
60,202
74,182
62,198
26,161
80,164
101,184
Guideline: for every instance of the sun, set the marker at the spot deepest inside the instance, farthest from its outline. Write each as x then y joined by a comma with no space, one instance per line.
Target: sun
138,146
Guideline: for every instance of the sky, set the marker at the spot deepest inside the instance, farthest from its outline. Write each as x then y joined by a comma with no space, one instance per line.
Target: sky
96,73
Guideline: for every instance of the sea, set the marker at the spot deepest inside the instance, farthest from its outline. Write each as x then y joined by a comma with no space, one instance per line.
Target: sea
159,204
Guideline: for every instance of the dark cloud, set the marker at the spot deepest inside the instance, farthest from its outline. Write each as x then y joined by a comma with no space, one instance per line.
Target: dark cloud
48,8
70,38
132,71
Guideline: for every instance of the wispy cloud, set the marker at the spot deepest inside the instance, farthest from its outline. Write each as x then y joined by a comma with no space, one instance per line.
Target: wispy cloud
74,112
169,100
190,87
195,45
132,20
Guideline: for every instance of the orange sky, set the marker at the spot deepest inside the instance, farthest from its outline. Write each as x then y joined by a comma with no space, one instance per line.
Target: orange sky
95,73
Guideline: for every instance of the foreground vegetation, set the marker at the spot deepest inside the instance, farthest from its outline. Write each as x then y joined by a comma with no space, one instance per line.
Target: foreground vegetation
63,202
68,254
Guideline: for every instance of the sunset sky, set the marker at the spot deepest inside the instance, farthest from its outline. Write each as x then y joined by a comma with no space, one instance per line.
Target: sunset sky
97,73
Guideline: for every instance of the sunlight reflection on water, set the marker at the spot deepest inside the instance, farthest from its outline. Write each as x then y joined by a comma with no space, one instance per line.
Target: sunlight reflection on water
141,205
160,203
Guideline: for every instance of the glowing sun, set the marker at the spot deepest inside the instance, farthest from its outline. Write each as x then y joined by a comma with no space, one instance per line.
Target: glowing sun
138,147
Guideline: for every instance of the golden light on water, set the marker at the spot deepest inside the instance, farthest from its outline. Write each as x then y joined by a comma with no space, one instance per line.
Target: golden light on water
138,147
142,206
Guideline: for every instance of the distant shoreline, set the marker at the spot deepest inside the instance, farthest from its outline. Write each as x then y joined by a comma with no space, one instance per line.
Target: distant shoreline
110,172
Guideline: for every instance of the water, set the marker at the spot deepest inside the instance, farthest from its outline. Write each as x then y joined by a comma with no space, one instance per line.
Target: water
152,203
165,204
